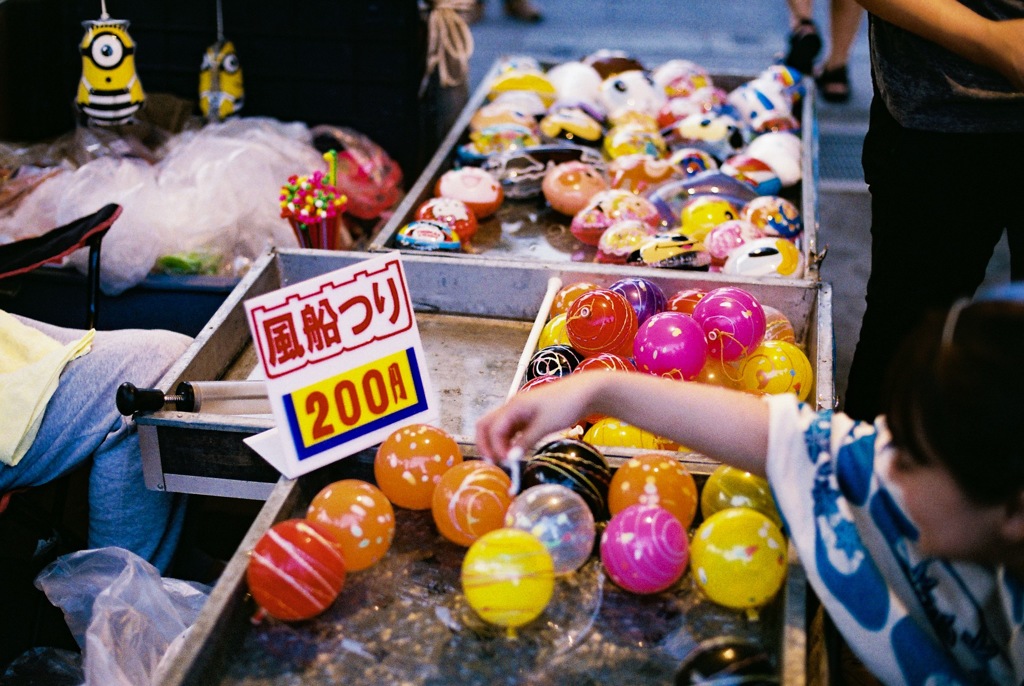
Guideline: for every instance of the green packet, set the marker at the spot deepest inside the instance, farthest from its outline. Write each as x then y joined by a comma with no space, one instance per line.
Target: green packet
188,262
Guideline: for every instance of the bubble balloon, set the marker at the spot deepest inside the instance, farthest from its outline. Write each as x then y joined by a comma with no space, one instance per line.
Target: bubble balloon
777,367
651,479
554,360
644,295
729,486
685,300
777,326
296,569
611,432
738,558
605,362
724,374
567,294
601,321
732,320
508,577
578,466
361,518
471,500
553,332
560,519
410,462
644,549
670,344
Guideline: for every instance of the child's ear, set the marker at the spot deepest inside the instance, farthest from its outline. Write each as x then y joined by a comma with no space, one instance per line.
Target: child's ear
1013,526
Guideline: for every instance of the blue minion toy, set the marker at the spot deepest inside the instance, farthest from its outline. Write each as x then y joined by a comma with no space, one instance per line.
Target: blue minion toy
221,93
109,92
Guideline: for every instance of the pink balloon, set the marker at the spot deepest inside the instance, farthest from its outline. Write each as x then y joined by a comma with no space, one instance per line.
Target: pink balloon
670,344
733,322
644,549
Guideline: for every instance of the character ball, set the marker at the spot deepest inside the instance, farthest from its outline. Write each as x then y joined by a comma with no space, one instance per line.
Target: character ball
727,236
569,186
554,360
560,519
777,367
685,300
553,332
296,569
702,213
451,212
731,487
726,660
410,462
601,321
644,549
670,344
578,466
508,577
608,207
738,558
767,256
567,294
620,240
654,480
733,322
644,295
471,500
605,362
614,433
478,189
777,326
775,216
361,518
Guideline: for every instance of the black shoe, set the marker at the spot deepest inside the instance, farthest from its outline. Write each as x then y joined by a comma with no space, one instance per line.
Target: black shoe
804,46
523,10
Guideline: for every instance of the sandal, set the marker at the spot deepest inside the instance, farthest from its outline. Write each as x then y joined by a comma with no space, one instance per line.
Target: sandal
834,84
804,46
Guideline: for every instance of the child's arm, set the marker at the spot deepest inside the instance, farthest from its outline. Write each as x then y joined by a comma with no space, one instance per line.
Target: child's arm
729,425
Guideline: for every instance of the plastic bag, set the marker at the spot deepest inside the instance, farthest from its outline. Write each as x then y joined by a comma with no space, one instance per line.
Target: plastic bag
122,613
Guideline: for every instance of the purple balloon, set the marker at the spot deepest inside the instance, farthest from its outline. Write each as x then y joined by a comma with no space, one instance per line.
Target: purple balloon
644,295
670,344
733,322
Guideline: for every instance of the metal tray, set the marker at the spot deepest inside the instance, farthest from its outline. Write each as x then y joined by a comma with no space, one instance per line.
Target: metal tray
529,230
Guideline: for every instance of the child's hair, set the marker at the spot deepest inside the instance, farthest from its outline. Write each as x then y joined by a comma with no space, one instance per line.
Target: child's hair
956,394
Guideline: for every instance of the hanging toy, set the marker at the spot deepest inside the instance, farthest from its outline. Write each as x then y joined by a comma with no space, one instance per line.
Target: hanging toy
110,92
221,92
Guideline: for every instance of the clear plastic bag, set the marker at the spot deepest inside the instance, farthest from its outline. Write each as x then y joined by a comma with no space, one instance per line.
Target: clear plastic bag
127,619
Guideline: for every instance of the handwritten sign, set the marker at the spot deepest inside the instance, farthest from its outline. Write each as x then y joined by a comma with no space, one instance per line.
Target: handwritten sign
342,357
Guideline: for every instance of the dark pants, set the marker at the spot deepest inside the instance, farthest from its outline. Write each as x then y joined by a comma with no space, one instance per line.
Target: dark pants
939,205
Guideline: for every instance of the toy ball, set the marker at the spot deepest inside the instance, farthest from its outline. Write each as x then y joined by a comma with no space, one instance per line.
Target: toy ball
578,466
481,192
553,332
717,134
727,661
729,486
620,240
410,462
644,295
508,577
361,518
528,102
702,213
568,187
768,256
560,519
526,79
670,344
631,90
685,300
575,81
496,113
738,558
567,294
451,212
756,101
718,373
634,118
296,569
774,215
782,151
672,251
690,161
752,171
777,326
554,360
777,367
501,138
654,480
711,98
609,62
571,124
605,362
670,70
722,239
601,321
423,234
732,320
632,140
637,172
470,500
610,432
676,108
644,549
790,80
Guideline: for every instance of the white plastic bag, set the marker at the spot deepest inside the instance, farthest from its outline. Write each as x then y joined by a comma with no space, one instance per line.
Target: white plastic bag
122,613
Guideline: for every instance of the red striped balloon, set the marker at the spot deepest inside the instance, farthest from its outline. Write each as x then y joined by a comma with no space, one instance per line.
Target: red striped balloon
296,570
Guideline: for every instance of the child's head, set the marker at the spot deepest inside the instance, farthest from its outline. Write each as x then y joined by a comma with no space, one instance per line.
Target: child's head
956,395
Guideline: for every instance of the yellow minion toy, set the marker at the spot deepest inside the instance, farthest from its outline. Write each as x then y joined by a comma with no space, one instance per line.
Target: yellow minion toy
110,92
221,93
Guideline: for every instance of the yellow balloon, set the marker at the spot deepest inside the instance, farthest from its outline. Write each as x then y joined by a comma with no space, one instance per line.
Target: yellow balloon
777,367
611,432
553,332
738,559
508,577
717,373
731,487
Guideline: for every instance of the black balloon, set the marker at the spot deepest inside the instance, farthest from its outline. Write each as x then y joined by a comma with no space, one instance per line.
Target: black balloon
576,465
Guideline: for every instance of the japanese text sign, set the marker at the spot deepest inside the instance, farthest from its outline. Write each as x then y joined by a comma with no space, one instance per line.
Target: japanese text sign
343,361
